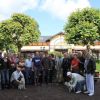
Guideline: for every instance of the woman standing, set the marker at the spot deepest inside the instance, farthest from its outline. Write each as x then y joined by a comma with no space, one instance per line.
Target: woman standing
75,64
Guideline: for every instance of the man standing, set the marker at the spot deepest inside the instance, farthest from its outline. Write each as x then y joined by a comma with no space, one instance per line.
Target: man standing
5,72
45,64
65,65
90,67
28,70
37,66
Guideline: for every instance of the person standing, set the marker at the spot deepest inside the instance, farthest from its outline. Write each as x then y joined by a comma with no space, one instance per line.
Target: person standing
81,62
37,67
51,68
90,66
1,68
59,69
75,64
28,70
5,73
65,65
45,64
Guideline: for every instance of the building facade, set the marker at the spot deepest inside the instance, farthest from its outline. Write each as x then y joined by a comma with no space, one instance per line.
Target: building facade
55,43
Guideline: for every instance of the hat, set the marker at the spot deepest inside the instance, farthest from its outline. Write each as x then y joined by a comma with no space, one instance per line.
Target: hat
69,73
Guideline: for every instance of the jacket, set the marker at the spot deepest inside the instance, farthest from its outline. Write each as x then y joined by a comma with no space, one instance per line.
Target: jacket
91,66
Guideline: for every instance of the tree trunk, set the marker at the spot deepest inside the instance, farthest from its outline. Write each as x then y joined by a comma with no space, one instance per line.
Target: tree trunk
88,49
19,48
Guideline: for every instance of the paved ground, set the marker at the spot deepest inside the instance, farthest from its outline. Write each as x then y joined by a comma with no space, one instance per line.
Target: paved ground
54,92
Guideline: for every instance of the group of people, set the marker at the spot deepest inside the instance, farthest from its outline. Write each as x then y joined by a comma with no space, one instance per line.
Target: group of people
10,70
32,69
80,74
75,70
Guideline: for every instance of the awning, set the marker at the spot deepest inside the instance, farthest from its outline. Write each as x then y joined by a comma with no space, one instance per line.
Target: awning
84,47
79,47
95,47
35,48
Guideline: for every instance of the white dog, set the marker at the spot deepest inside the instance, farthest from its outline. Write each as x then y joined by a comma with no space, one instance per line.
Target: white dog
69,86
21,85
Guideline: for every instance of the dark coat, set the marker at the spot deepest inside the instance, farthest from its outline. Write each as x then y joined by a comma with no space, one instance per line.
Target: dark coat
45,62
4,65
91,66
66,63
52,64
1,63
81,65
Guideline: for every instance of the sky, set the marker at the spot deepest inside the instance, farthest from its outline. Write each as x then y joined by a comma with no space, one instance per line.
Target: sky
51,15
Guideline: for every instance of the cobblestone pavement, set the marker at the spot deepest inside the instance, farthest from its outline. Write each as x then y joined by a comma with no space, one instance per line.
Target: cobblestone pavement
49,92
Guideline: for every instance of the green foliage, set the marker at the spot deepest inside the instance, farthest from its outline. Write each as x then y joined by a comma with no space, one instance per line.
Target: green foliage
13,48
83,26
98,67
19,30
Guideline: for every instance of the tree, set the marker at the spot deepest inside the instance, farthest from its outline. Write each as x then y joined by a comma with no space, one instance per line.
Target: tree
83,26
8,30
30,28
19,30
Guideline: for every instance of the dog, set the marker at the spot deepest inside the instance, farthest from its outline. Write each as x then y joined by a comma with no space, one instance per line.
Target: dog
69,87
21,85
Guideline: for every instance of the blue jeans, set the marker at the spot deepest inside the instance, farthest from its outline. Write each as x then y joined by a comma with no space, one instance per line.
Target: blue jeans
80,85
28,76
5,76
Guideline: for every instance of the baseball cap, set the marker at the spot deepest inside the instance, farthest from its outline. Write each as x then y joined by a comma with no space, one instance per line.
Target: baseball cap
69,73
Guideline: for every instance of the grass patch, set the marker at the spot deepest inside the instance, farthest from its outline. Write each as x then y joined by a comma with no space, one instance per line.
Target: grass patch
98,67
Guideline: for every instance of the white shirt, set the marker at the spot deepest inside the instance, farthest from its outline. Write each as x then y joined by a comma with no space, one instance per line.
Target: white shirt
28,63
16,74
76,78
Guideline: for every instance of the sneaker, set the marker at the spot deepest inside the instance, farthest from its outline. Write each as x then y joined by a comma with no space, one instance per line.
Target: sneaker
90,94
78,92
86,92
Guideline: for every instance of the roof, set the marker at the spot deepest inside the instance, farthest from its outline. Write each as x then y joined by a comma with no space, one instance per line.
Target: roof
39,44
97,43
44,38
60,33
